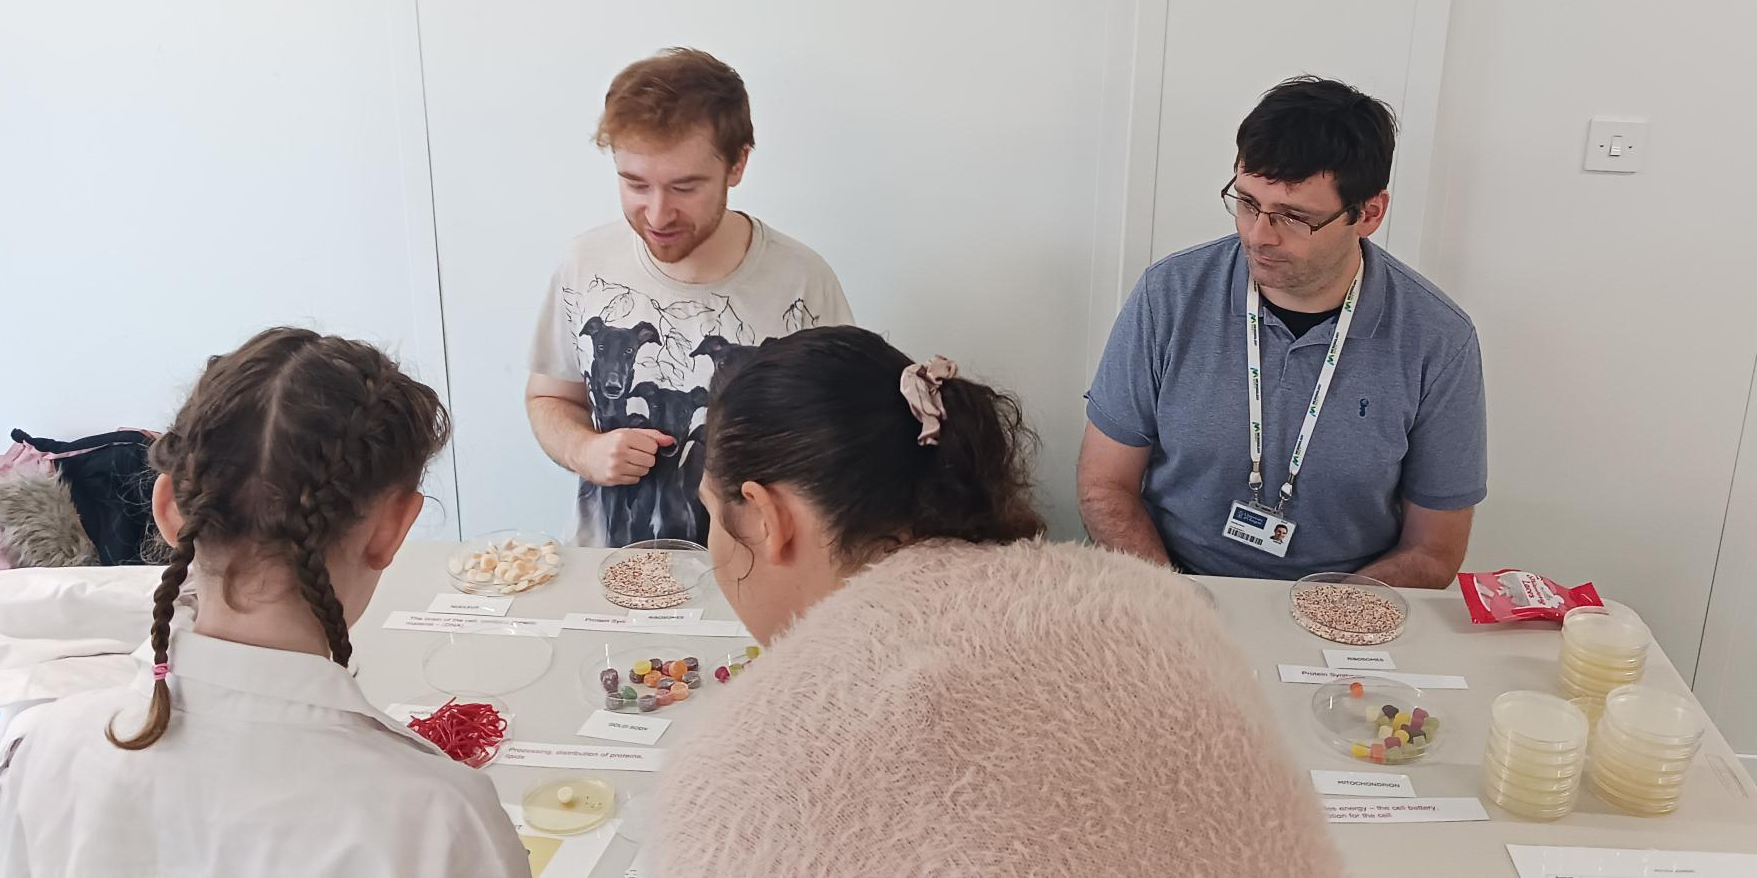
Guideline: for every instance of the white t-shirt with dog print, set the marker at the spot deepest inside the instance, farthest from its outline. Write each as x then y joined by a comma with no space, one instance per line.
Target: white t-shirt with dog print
648,346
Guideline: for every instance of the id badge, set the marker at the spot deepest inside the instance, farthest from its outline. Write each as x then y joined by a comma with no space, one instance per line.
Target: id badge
1259,528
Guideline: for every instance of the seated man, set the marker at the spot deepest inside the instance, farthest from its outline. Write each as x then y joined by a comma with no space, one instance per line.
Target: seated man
1205,447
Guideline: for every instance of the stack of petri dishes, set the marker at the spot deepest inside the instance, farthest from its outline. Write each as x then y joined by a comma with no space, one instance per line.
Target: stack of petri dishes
1602,648
1536,754
1642,749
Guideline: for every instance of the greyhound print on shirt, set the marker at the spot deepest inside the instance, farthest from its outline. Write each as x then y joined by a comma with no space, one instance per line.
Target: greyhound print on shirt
649,349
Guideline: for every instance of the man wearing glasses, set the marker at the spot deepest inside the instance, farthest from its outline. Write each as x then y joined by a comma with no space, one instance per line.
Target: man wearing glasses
1291,399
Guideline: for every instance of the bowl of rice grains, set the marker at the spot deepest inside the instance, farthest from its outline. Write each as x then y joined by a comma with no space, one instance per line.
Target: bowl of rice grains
1348,608
654,575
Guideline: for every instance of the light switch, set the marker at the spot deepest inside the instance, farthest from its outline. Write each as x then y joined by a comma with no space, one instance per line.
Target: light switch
1616,145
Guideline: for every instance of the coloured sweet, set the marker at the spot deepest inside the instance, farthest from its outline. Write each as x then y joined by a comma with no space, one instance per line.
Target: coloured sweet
1356,690
648,703
692,679
676,670
1393,743
1374,716
1400,720
663,699
1402,736
736,668
752,651
628,693
1377,753
1386,731
664,683
1418,741
652,678
614,701
655,664
679,691
643,668
692,663
1417,715
1389,710
1360,751
611,680
721,674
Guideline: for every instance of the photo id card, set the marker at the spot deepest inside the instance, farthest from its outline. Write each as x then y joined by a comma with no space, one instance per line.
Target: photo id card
1259,528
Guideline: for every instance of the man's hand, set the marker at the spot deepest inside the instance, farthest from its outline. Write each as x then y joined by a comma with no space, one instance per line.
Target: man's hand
619,457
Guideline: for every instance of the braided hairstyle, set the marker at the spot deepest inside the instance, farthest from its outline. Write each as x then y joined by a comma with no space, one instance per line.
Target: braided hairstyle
276,455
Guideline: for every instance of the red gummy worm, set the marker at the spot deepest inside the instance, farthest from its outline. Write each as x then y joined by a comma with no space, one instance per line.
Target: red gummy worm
467,733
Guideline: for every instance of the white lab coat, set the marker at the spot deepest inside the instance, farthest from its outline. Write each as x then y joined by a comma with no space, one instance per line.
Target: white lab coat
274,764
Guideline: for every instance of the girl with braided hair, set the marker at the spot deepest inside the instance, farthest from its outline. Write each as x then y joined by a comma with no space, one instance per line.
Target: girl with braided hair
286,485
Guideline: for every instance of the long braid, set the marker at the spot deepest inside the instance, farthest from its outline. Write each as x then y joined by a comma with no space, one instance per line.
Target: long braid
158,717
324,501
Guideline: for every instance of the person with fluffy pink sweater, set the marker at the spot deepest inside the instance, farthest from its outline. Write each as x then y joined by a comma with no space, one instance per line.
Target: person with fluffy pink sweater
944,692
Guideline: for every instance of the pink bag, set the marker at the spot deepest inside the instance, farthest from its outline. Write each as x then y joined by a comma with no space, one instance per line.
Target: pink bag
22,459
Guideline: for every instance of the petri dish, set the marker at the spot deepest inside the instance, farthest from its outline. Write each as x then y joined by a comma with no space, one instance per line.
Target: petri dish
569,805
1539,721
1348,608
464,576
1562,795
425,704
1609,748
1654,716
623,661
1343,720
493,658
1536,766
654,575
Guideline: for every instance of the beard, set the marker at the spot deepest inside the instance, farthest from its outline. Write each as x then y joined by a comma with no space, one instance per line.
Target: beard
686,237
1292,275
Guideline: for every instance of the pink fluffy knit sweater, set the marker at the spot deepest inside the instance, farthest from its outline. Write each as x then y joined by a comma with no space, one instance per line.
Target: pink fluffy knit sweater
1032,709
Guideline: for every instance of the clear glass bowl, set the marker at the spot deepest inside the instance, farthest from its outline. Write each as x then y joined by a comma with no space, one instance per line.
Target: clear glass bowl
623,661
1348,608
571,804
490,657
467,578
1345,722
654,575
425,704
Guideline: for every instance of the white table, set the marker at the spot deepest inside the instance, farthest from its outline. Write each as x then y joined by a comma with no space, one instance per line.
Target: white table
1719,810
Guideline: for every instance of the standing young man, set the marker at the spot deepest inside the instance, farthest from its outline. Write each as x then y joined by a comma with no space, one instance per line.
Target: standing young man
641,315
1291,399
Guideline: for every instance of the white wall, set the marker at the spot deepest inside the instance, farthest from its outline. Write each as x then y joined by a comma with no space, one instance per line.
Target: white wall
176,176
1729,652
1616,312
942,157
1220,58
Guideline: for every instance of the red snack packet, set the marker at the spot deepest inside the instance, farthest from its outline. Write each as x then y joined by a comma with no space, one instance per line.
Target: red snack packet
1515,596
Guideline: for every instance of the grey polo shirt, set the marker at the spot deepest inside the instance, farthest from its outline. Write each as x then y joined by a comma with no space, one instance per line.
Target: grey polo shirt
1404,419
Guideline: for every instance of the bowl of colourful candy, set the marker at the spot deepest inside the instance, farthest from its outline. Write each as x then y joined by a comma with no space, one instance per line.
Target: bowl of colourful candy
654,575
468,726
643,679
504,562
1376,720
